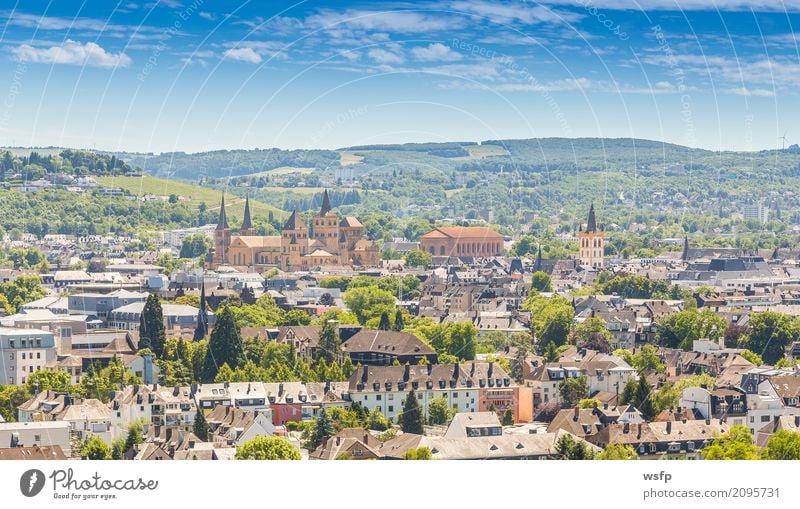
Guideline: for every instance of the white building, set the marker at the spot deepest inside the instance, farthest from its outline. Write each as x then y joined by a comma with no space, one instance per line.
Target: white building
24,352
27,434
152,405
764,406
175,238
756,212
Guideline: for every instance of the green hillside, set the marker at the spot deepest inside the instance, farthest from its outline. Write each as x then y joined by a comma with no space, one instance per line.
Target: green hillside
194,194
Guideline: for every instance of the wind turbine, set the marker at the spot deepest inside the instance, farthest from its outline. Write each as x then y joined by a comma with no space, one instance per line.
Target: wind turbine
783,138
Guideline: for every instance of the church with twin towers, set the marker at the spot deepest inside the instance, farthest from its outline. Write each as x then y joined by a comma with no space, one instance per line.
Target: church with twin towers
328,241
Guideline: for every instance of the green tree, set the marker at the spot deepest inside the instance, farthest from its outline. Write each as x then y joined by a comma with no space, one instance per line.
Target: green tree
11,397
540,281
752,357
399,321
267,448
783,445
94,448
323,428
551,318
49,381
117,448
330,345
439,412
195,246
296,317
770,333
151,326
573,449
364,301
384,323
461,340
420,453
617,452
377,421
201,428
418,258
224,347
648,359
593,334
412,420
134,435
508,418
735,444
24,289
572,390
680,330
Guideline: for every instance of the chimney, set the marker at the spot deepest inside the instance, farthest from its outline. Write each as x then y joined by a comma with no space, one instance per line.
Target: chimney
708,422
280,389
430,369
626,428
248,388
338,441
456,371
669,427
491,370
324,442
639,430
406,373
577,413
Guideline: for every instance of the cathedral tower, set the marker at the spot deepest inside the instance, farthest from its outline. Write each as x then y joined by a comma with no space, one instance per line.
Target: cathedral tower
591,242
222,236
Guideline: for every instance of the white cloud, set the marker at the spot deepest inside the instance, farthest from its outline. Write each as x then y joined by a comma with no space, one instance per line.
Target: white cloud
383,56
388,21
749,92
682,5
243,55
516,11
71,53
435,52
21,19
207,15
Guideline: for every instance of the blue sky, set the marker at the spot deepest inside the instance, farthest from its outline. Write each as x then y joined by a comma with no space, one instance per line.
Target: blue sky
192,75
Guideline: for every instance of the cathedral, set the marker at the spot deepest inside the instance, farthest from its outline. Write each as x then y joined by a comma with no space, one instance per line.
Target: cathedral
329,241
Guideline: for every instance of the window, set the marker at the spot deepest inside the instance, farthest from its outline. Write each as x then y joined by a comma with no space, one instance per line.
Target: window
391,408
690,446
11,356
652,447
38,355
37,438
378,397
23,356
752,419
765,418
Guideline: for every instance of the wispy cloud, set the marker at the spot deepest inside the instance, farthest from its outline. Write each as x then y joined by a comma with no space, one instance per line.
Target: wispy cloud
56,23
528,13
397,21
383,56
683,5
71,53
749,92
436,52
243,55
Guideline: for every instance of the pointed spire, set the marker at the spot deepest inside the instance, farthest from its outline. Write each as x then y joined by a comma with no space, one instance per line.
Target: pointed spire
685,255
201,329
538,265
247,224
591,224
294,222
222,224
326,204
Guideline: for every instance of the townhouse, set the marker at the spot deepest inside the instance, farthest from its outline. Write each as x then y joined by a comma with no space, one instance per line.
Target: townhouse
461,384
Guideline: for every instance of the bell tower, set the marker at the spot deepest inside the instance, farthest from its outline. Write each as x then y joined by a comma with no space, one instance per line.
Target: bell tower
222,236
592,242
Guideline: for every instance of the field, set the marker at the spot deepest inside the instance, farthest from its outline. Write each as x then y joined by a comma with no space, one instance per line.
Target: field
481,151
296,190
141,186
287,170
349,159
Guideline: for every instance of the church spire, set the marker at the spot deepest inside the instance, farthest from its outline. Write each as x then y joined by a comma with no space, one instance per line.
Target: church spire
247,224
201,329
685,255
538,265
326,204
222,224
591,224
